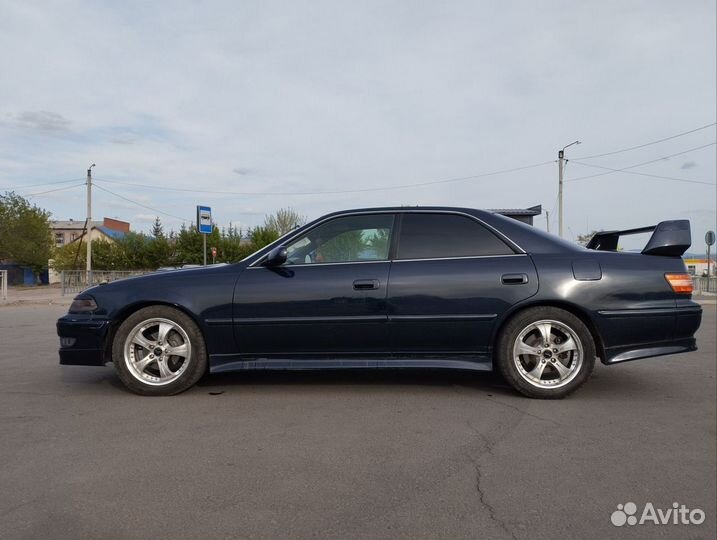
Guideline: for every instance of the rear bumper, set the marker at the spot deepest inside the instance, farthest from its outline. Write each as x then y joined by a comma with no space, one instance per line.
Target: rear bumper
632,334
82,340
625,354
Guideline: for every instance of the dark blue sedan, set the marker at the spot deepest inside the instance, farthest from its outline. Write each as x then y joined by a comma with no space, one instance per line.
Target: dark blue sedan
423,287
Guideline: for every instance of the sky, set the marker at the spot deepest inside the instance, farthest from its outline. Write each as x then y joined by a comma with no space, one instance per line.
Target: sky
322,106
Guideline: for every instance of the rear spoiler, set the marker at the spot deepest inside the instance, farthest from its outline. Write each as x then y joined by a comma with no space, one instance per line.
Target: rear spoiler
669,238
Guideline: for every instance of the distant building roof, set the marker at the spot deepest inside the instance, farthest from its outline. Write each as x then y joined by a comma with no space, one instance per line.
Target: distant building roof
72,224
111,233
79,224
532,211
525,215
116,224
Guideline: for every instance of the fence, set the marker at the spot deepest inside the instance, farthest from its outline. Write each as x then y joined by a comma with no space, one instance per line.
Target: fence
705,285
3,285
75,281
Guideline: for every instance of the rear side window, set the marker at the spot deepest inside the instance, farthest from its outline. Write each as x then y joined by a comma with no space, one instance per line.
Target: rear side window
428,236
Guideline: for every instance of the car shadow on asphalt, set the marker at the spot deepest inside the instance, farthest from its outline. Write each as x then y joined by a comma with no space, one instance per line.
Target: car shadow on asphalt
489,382
606,381
486,381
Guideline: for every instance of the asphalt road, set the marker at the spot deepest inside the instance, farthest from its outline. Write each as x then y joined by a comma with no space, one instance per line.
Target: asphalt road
352,455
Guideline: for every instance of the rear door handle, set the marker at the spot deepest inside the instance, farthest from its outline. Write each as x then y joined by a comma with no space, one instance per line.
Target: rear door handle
514,279
366,284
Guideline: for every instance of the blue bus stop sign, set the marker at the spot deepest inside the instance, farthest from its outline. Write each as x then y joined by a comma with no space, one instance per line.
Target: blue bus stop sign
204,219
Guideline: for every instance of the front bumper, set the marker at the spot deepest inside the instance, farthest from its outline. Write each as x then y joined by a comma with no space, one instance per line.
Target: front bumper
82,340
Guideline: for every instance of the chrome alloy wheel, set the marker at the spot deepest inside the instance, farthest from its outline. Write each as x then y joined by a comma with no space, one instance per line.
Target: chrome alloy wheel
548,354
157,351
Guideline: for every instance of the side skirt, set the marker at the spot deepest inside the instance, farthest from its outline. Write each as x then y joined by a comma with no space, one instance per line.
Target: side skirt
222,364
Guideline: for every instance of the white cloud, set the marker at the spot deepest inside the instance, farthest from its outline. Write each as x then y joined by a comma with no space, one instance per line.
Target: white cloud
43,121
288,96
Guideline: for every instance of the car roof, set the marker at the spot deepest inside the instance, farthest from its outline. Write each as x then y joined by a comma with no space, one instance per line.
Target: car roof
464,210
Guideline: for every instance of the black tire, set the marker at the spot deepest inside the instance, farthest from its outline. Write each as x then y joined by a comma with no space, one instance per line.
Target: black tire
520,378
197,352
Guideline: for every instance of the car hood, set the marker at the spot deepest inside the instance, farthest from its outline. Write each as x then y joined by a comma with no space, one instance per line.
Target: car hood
160,279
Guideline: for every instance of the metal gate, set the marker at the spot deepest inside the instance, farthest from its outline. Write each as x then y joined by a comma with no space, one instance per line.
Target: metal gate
75,281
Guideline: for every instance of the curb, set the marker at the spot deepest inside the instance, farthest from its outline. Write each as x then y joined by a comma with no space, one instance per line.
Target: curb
38,302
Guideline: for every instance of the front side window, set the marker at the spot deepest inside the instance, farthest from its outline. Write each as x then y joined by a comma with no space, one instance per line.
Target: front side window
345,239
429,236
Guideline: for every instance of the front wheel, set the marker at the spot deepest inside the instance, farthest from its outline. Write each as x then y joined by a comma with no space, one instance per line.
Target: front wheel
159,351
546,352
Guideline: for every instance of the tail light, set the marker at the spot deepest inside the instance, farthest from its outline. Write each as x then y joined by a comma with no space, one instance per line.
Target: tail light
680,283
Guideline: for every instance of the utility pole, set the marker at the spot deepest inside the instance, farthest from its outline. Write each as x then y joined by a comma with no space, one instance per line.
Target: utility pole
547,220
89,224
561,159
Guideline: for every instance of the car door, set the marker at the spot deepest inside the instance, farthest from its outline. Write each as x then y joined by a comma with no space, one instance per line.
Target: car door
328,299
451,279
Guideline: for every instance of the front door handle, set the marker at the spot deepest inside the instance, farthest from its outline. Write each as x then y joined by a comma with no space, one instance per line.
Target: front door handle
366,284
514,279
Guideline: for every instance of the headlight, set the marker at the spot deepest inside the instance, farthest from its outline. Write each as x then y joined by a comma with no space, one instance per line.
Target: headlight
83,304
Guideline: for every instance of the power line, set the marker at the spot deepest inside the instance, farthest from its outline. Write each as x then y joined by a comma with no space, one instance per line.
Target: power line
457,179
42,184
142,205
51,190
647,174
387,188
649,143
625,169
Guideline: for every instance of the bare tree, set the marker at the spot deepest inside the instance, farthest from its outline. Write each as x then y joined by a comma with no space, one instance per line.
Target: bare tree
284,220
583,239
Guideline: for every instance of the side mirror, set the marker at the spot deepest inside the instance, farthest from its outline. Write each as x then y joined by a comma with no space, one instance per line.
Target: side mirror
276,257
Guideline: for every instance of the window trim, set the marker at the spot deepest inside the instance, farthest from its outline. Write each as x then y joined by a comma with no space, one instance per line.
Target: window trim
511,243
389,258
461,257
398,220
313,265
517,250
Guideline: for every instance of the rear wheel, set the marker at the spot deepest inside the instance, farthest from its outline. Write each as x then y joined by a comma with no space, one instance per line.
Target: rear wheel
159,351
546,352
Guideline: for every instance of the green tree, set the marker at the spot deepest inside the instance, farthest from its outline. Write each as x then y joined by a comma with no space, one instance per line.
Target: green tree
263,236
25,234
344,247
70,256
159,249
188,248
378,243
133,252
232,247
157,228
